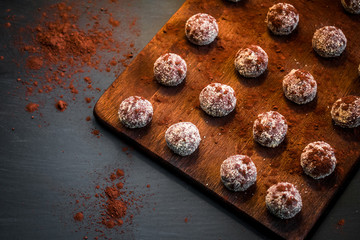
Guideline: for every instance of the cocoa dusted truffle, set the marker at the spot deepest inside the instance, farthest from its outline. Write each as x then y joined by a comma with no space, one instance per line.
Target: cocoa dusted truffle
318,159
217,99
283,200
183,138
238,173
270,129
135,112
299,86
329,41
251,62
352,6
346,112
282,18
201,29
170,69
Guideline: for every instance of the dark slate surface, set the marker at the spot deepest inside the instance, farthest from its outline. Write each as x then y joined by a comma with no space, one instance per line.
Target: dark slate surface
41,166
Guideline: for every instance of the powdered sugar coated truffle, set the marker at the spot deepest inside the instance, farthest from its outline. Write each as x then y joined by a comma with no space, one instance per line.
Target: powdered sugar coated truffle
352,6
282,18
238,173
329,41
135,112
201,29
283,200
217,99
170,69
183,138
346,112
270,129
251,61
318,159
299,86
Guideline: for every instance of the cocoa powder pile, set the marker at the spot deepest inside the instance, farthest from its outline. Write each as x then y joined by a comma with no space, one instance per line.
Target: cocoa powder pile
111,206
58,50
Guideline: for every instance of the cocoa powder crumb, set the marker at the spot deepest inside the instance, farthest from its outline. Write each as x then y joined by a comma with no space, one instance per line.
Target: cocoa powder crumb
61,105
32,107
79,216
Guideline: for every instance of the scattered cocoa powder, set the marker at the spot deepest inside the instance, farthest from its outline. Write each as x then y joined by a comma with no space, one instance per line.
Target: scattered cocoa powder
111,209
32,107
58,49
79,216
88,118
61,105
341,222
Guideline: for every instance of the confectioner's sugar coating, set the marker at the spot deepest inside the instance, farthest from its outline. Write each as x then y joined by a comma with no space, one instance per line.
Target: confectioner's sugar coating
299,86
135,112
270,129
238,173
217,99
346,112
318,159
329,41
282,18
201,29
352,6
283,200
170,69
251,62
183,138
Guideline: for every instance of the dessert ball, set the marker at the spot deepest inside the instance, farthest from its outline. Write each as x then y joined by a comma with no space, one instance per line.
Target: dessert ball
282,18
270,129
238,173
217,99
329,41
346,112
170,69
183,138
318,159
201,29
251,62
299,86
283,200
135,112
352,6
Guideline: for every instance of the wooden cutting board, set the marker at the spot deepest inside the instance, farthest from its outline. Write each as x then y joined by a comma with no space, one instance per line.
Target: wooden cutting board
242,24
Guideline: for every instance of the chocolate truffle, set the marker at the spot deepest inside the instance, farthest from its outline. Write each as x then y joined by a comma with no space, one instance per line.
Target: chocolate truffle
270,129
282,18
318,159
352,6
283,200
251,62
299,86
329,41
238,173
201,29
217,99
346,112
170,69
135,112
183,138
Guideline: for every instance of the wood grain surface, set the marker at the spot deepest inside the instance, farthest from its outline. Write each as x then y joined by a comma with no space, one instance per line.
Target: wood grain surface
242,24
